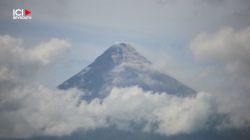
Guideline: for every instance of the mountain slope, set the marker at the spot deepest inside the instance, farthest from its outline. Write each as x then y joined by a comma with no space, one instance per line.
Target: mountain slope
122,66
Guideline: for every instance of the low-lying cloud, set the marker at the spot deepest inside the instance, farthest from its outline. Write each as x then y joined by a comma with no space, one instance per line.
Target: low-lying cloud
39,111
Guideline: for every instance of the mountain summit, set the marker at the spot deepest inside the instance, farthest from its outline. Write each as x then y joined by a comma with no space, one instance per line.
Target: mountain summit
122,66
122,53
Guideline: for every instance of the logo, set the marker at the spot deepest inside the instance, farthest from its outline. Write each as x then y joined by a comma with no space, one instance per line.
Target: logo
21,14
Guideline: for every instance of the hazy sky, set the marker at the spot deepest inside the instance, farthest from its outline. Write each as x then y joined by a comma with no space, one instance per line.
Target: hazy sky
165,26
203,43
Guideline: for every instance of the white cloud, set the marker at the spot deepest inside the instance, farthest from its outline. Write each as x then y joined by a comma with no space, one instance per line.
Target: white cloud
40,111
28,109
227,47
227,56
173,114
45,52
7,40
17,61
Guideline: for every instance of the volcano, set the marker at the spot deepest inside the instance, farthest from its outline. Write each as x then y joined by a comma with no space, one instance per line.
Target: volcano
122,66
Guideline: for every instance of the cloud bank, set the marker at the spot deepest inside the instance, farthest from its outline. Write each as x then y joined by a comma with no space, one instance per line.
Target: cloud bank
42,112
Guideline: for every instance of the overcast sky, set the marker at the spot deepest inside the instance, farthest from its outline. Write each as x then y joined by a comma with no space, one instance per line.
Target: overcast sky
167,27
203,43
